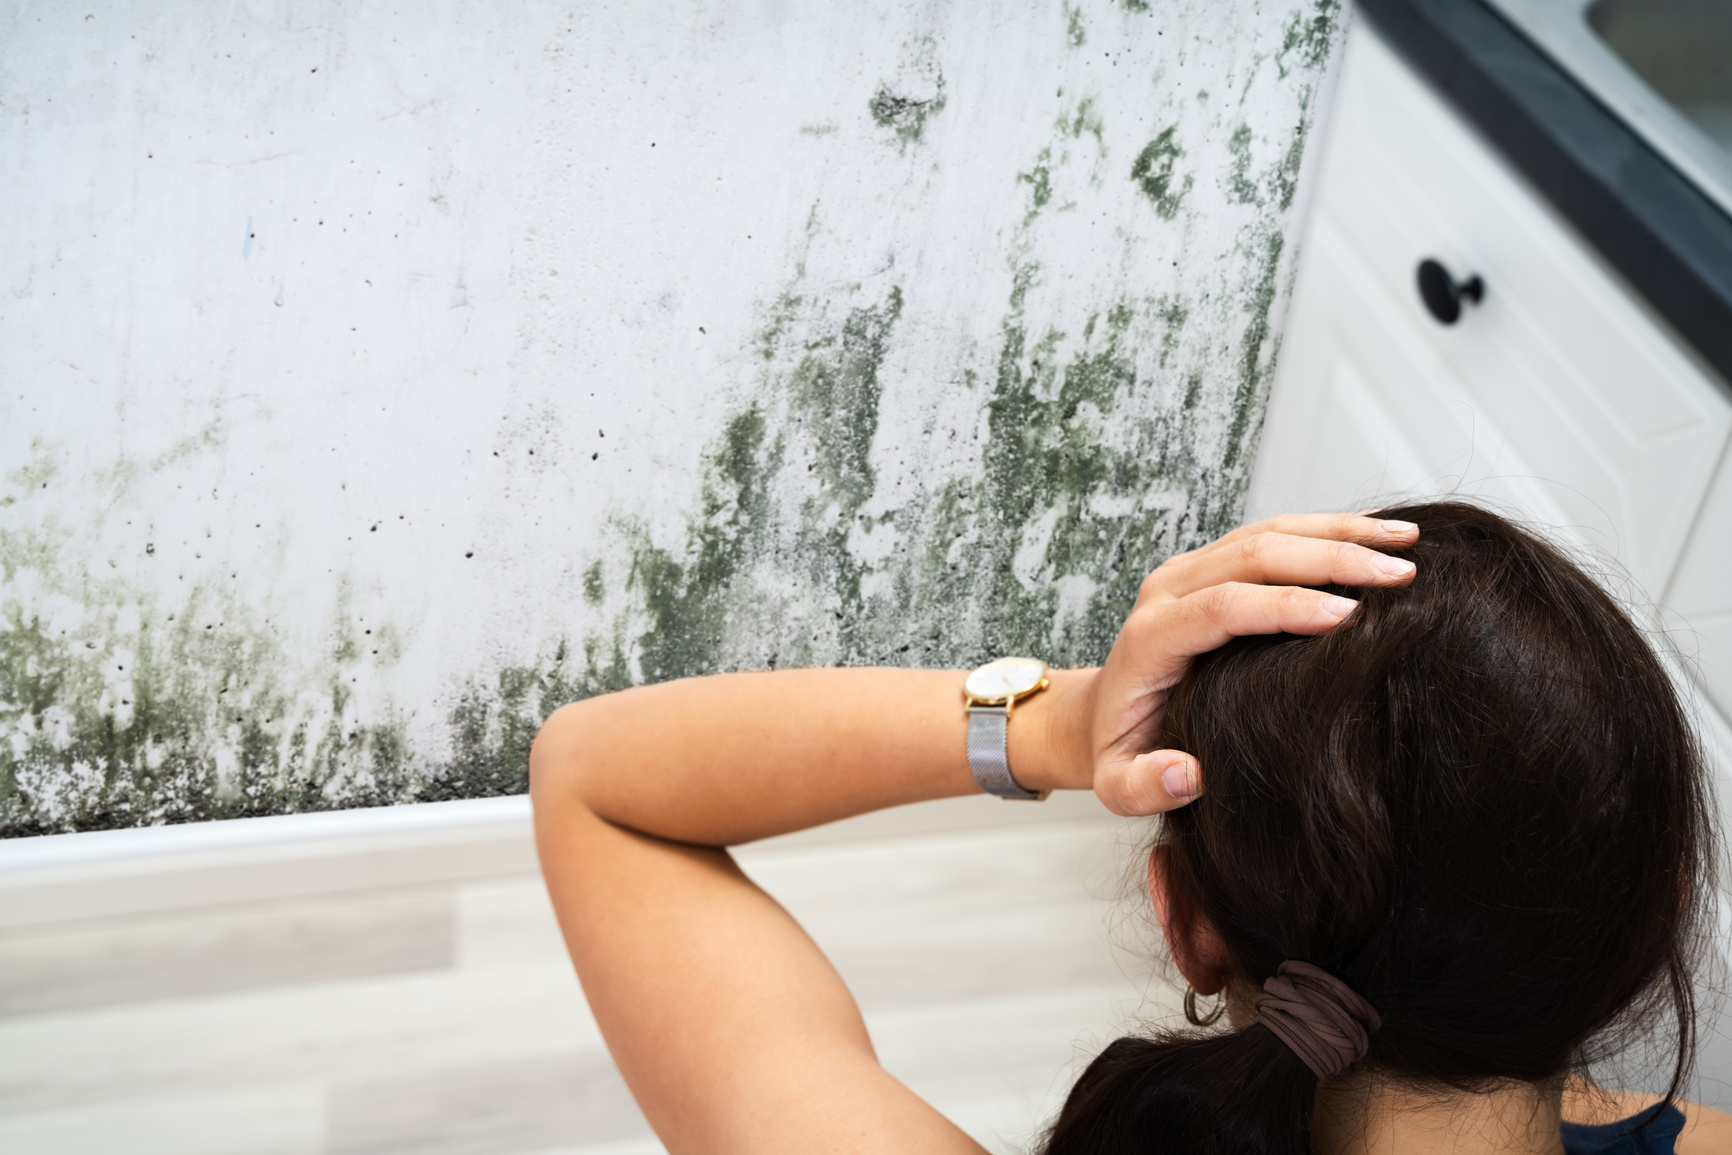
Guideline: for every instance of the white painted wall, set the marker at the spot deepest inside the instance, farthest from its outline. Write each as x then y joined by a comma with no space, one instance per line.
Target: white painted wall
344,348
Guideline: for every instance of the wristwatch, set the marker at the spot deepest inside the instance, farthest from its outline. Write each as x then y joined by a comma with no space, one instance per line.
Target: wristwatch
991,694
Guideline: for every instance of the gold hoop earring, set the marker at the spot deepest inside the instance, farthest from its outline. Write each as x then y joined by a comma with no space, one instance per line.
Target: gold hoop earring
1207,1020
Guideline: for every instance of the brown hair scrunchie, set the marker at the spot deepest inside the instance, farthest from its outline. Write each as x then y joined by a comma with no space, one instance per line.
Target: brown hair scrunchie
1320,1018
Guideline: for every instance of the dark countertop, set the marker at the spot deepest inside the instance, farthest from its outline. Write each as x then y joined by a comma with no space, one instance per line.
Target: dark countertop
1667,239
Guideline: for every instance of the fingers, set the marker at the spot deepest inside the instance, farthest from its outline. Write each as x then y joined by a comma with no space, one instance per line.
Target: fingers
1151,783
1252,581
1363,528
1207,618
1275,558
1234,609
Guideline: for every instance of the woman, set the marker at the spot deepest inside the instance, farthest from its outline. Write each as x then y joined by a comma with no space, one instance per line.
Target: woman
1454,833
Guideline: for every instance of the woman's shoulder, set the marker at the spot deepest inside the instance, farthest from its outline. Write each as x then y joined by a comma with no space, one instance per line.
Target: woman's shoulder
1597,1123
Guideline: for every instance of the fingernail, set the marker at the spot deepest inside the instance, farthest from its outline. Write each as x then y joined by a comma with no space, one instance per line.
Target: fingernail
1180,779
1398,528
1339,607
1391,566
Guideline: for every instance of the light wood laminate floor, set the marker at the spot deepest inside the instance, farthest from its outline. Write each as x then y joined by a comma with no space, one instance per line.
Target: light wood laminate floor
445,1019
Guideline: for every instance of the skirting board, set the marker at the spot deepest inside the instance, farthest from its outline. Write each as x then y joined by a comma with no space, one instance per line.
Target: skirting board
63,877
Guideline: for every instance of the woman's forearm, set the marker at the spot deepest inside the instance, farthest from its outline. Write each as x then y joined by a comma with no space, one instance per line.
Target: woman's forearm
728,759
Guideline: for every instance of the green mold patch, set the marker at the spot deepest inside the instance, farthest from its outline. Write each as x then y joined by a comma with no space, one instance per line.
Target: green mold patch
1268,276
594,588
1039,181
1074,33
1239,183
1081,487
1085,119
689,600
181,717
765,575
119,708
1071,126
1103,452
1070,464
906,116
491,725
189,715
1308,38
1257,351
1153,172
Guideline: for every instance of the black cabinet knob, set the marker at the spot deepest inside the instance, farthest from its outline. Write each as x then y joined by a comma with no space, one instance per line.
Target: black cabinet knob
1443,294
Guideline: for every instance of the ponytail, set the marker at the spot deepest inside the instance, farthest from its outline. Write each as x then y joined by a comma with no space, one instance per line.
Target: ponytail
1247,1093
1242,1093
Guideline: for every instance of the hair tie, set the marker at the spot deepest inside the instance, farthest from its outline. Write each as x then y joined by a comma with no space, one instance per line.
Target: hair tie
1323,1020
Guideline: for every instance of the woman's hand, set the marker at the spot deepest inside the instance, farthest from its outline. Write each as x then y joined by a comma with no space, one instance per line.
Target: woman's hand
1249,582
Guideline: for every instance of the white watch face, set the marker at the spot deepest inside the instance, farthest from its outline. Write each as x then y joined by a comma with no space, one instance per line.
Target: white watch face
1005,678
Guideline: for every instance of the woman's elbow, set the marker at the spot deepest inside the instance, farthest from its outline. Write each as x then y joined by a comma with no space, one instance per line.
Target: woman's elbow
553,756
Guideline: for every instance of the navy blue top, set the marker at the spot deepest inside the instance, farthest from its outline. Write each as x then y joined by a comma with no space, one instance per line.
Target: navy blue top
1657,1138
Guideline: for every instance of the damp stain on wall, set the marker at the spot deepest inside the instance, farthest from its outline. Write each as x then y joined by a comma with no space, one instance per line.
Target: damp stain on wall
889,470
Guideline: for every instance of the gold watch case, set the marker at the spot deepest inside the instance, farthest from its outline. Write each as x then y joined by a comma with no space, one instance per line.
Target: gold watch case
1005,682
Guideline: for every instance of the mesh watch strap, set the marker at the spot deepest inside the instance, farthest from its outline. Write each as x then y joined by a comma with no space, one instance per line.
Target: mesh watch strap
988,753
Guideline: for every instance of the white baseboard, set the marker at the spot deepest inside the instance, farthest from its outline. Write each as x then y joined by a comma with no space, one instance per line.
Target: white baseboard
110,873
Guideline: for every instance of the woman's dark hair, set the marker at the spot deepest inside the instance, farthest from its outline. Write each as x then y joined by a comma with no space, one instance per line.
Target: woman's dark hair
1477,801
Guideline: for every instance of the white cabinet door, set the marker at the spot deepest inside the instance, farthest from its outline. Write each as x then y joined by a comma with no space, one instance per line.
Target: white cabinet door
1558,397
1700,596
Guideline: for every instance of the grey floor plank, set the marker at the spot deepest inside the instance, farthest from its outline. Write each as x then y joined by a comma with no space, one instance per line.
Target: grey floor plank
500,1109
216,950
503,921
333,1032
270,1120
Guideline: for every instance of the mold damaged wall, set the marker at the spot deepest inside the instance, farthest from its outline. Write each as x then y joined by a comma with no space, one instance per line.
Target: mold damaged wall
372,382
